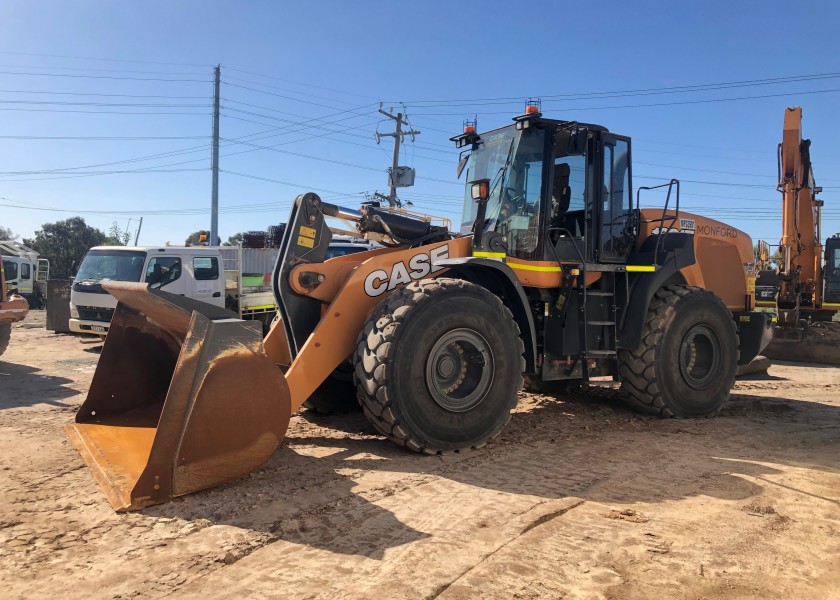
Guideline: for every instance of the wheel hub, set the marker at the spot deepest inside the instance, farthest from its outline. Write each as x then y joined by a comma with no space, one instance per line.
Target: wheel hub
459,370
700,357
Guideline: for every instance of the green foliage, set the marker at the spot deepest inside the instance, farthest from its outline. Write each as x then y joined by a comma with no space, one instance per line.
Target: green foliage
116,236
6,233
65,243
235,239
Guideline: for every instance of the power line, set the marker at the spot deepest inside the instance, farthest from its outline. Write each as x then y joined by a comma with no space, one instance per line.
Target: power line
656,104
74,75
120,60
168,97
635,92
121,138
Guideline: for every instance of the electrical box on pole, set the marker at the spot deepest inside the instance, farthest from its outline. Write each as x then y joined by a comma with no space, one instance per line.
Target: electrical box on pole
397,176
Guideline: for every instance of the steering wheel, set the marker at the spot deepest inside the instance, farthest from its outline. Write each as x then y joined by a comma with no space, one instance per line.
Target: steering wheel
512,203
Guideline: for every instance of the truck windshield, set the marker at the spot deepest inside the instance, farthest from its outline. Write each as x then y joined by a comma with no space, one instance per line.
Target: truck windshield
513,161
10,269
110,265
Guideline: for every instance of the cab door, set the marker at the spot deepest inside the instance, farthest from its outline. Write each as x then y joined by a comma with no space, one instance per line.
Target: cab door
166,272
614,209
206,281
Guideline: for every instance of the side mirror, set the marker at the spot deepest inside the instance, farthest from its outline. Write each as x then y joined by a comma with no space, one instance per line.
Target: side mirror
74,268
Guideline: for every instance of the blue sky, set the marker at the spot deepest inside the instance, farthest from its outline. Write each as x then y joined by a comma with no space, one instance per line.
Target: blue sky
307,77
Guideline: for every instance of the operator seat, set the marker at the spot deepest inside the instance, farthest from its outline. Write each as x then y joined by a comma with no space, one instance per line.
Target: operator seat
562,198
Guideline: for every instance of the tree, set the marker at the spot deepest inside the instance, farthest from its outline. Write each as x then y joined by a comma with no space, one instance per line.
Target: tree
64,243
116,236
235,239
194,238
6,233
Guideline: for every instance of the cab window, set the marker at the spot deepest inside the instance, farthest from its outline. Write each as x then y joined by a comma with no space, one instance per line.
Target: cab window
163,270
25,271
205,268
10,269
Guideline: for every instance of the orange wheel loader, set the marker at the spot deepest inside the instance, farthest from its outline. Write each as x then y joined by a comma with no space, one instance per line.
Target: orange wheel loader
555,276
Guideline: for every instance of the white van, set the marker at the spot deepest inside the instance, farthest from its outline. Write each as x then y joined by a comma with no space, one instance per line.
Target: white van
193,271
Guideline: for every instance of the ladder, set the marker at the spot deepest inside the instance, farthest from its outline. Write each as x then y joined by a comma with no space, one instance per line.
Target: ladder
602,302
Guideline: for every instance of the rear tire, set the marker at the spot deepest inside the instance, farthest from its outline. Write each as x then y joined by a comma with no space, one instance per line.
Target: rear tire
5,336
685,364
438,366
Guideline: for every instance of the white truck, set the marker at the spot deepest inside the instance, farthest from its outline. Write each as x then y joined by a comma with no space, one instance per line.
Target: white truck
230,276
25,272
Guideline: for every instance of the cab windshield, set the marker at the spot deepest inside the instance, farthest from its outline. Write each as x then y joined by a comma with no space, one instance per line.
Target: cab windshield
108,265
513,162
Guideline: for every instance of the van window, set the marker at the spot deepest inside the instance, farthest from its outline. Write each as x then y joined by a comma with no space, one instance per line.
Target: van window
10,269
163,270
25,271
205,268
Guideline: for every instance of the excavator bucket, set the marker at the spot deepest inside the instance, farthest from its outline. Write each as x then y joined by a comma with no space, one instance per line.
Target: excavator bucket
184,398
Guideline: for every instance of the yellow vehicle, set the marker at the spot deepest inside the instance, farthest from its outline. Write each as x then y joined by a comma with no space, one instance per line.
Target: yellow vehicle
555,276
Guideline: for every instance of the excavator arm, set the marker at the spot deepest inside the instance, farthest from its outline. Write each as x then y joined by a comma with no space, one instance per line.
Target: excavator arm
800,274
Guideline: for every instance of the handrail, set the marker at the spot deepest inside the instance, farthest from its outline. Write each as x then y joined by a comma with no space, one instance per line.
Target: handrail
663,232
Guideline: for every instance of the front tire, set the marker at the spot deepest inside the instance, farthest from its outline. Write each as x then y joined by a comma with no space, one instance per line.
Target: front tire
686,362
439,365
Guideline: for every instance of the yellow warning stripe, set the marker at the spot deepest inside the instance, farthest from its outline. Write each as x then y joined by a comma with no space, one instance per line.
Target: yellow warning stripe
537,268
830,305
479,254
641,268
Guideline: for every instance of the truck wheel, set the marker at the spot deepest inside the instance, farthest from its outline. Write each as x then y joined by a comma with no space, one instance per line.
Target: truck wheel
5,336
337,394
438,366
685,365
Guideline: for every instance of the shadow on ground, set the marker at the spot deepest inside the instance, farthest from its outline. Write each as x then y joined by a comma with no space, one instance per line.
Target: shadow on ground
588,445
23,385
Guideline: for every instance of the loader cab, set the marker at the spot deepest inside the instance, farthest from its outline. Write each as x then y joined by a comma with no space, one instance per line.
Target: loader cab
555,191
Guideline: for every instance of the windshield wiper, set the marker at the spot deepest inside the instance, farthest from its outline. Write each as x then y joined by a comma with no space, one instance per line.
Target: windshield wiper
500,175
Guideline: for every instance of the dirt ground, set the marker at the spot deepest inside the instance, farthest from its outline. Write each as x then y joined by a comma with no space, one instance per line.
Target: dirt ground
579,498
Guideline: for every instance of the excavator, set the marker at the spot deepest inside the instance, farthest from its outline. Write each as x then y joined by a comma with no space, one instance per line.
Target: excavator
555,276
807,289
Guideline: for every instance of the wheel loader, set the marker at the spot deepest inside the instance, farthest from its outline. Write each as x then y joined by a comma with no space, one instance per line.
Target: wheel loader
555,276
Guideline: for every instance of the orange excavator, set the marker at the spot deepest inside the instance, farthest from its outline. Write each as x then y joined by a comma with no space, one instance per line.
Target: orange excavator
808,294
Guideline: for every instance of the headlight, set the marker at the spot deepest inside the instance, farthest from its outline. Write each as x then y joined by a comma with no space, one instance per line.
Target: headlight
74,314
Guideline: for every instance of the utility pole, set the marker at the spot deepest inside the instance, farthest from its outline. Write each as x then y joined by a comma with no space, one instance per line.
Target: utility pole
137,235
399,136
214,161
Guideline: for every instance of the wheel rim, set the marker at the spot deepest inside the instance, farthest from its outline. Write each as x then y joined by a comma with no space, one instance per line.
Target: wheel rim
459,370
700,357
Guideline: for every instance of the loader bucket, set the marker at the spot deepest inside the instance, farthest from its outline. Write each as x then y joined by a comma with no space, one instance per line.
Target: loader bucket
183,398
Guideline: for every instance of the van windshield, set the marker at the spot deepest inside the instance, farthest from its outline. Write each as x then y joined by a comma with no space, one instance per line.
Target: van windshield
110,265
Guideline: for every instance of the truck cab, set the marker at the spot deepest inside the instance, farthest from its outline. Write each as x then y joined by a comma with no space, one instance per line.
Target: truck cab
194,271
